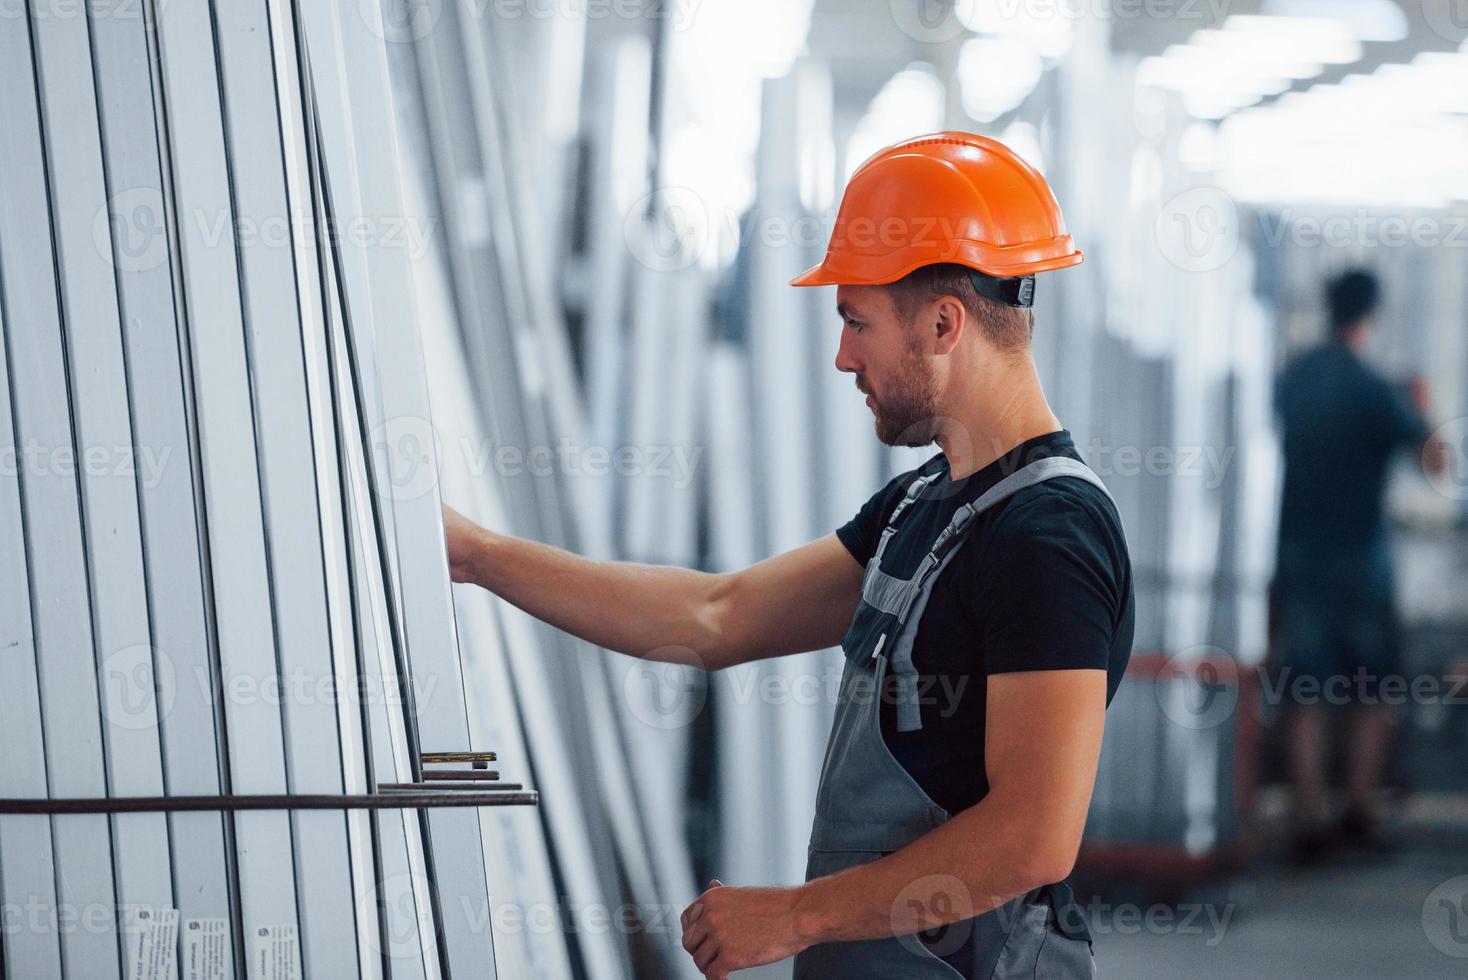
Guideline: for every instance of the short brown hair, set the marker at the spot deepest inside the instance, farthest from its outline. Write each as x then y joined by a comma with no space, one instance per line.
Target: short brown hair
1008,328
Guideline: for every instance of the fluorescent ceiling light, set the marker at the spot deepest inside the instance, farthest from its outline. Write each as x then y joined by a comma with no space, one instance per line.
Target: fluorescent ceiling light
911,102
1023,138
1347,143
995,75
1300,38
1197,148
1368,20
1044,25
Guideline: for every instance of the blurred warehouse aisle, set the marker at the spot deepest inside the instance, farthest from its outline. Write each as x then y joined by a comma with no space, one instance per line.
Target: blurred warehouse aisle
1375,916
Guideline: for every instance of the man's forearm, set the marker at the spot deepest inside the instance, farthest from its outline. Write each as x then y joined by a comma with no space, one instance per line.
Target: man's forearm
662,613
973,863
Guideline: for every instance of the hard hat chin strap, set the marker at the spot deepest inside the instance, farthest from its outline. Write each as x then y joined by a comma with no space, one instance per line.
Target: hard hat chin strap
1011,291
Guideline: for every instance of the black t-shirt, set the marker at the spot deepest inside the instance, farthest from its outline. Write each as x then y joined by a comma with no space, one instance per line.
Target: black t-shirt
1042,582
1342,423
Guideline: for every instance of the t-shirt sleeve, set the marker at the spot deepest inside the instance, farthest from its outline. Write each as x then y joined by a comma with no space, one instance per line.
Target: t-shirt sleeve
861,534
1058,604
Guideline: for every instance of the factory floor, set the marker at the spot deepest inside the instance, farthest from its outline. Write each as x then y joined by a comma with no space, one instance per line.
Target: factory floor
1398,916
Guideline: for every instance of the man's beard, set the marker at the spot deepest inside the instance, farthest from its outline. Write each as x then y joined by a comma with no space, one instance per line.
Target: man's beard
907,413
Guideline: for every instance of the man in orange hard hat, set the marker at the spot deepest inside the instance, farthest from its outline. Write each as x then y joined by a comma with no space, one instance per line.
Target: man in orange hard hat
983,601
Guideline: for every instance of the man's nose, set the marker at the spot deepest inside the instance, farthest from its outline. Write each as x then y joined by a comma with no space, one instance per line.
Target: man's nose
845,359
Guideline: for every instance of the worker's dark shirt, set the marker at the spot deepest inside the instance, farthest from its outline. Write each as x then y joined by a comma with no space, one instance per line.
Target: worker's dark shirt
1043,582
1341,423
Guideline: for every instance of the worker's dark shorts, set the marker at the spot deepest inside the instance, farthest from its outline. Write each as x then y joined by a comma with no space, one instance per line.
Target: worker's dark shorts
1336,635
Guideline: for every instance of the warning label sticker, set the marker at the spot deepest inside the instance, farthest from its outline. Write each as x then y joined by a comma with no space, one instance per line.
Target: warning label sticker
205,949
151,937
275,953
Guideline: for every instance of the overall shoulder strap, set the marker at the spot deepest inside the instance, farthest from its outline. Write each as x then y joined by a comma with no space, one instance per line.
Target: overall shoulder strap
914,490
945,546
1037,472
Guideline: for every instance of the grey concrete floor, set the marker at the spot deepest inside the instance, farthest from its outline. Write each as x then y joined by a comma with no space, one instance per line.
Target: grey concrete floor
1403,915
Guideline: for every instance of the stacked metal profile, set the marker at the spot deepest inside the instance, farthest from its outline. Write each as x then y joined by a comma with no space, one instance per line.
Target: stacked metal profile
217,607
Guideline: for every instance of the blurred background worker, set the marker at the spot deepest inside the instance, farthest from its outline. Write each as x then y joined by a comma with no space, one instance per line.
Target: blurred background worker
1336,622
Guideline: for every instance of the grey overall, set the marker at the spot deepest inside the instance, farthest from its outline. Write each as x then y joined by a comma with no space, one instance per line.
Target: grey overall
868,806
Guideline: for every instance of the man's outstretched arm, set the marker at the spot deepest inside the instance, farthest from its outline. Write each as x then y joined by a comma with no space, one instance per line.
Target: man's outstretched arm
800,600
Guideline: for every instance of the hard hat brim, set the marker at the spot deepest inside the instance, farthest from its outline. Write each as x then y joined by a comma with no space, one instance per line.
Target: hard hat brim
859,271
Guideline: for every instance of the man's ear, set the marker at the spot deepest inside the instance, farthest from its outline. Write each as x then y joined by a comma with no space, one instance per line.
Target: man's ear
949,320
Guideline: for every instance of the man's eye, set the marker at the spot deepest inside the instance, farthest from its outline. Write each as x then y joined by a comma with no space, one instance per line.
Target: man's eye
855,325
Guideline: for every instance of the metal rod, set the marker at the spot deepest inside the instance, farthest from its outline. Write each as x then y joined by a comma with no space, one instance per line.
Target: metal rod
459,787
415,798
433,758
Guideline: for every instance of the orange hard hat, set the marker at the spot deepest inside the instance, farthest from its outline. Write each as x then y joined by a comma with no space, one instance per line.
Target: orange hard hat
947,197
